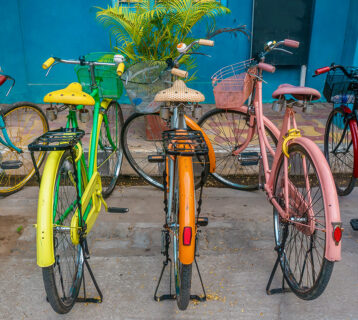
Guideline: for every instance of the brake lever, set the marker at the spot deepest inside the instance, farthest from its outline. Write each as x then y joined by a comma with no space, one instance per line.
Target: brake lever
13,83
283,50
256,76
49,69
200,53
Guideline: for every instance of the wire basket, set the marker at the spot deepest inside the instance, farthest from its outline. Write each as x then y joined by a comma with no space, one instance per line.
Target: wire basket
339,88
109,84
143,81
233,84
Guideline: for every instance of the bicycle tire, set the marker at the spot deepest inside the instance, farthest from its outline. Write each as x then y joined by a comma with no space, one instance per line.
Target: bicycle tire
185,274
137,139
224,135
109,163
22,131
341,164
299,237
62,291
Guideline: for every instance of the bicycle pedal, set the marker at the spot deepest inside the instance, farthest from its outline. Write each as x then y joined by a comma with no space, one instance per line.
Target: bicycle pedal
117,210
158,158
249,158
354,224
11,164
203,221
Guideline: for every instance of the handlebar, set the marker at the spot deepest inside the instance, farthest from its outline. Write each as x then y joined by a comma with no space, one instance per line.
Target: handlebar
52,61
184,49
332,67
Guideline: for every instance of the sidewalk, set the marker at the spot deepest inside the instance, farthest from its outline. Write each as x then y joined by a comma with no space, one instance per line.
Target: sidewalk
236,258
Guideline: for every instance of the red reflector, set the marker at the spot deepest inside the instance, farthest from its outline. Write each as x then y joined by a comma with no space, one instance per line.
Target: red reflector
337,234
187,236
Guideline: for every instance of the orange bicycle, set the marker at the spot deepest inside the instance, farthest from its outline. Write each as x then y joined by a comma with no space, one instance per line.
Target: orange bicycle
183,148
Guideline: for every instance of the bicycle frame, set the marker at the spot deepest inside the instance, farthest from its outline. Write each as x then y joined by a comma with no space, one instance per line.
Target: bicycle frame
91,197
285,137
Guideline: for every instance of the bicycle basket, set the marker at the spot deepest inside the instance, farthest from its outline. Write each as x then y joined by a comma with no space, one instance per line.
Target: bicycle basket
143,81
233,84
339,88
109,84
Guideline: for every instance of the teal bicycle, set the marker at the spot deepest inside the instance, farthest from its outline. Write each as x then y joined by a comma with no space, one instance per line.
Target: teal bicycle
21,123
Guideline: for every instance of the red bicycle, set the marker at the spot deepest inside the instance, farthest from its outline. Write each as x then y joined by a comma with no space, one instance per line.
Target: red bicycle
341,134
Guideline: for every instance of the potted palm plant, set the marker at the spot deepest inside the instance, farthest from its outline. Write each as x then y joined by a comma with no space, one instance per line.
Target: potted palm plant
151,30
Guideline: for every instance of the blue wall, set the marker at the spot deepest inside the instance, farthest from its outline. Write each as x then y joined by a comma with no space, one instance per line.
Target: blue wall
34,30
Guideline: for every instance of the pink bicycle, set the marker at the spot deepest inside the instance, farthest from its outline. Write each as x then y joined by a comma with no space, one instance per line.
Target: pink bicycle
294,172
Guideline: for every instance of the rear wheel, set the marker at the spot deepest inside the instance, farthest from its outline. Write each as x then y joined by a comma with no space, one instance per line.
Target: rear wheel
109,152
24,122
182,272
227,131
62,280
302,239
338,150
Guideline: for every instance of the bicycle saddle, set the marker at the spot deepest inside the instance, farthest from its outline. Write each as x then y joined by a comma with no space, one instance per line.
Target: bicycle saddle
179,92
299,93
72,94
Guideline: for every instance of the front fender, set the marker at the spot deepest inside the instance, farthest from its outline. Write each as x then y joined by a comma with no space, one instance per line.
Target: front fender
44,232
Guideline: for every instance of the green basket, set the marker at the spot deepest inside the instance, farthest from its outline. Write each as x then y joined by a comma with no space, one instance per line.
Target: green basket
109,84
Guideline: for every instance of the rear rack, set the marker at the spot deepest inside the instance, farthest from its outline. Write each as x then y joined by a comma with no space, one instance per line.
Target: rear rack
57,140
184,143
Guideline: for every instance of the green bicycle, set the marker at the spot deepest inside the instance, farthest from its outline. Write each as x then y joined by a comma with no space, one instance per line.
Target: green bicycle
71,194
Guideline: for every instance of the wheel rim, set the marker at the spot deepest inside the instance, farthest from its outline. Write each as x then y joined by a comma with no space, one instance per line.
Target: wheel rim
23,125
68,265
339,150
303,245
227,131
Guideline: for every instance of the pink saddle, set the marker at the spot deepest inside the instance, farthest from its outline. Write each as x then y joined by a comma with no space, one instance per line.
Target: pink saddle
299,93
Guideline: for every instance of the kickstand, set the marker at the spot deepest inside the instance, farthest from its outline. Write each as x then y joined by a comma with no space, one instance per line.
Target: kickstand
279,249
36,168
85,299
169,296
196,297
276,290
167,260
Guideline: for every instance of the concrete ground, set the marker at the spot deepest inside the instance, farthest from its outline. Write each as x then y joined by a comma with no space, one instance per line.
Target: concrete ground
236,259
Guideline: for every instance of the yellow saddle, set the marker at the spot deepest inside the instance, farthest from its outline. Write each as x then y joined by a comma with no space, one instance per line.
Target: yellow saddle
72,94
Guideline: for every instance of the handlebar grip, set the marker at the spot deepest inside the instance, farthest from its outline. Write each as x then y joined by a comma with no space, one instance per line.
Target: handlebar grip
179,73
48,63
206,42
2,79
322,70
266,67
291,43
120,69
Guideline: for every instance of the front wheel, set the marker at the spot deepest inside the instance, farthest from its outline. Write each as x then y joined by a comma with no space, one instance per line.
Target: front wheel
142,136
62,280
302,238
339,152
